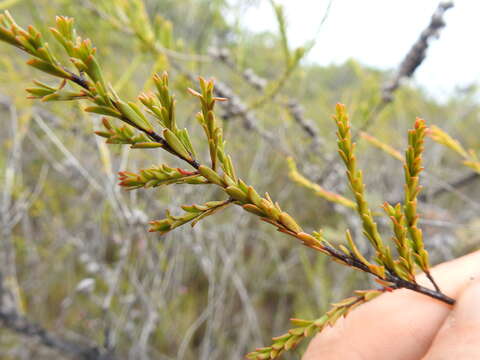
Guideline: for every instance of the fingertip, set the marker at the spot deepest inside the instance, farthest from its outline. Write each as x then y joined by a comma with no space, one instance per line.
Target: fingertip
467,309
403,323
459,336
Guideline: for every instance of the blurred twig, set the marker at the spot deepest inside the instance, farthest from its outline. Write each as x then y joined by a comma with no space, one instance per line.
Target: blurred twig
418,51
414,58
12,320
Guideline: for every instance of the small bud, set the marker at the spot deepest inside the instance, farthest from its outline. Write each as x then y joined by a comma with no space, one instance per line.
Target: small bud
146,145
176,144
254,209
289,222
253,196
236,193
103,110
307,238
210,175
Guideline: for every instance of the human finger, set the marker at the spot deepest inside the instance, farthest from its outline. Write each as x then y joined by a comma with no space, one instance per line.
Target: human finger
400,325
459,336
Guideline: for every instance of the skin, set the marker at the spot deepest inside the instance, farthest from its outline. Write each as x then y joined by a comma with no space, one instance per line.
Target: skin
404,325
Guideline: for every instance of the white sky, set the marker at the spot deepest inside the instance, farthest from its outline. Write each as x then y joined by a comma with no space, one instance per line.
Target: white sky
380,32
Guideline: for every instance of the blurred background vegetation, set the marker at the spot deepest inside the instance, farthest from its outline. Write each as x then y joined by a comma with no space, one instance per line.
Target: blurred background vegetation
75,251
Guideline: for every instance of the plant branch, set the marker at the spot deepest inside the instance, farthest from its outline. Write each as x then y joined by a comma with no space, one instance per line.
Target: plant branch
161,106
417,53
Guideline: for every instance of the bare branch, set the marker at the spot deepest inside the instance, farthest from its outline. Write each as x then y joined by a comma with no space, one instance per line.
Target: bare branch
417,53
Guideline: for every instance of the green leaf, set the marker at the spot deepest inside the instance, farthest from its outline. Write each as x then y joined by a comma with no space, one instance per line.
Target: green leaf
103,110
49,68
176,144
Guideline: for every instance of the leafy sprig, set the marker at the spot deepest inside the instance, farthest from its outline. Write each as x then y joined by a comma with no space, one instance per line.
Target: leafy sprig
307,328
470,158
346,150
90,79
413,167
139,131
193,213
157,176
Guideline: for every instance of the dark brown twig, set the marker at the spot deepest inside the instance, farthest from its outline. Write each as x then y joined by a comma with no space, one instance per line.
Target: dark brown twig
397,281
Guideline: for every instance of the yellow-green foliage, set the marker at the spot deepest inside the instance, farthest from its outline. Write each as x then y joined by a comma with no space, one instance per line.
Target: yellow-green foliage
231,282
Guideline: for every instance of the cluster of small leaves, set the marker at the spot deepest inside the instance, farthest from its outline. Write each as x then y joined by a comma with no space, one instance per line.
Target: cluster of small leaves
46,92
413,167
389,272
224,175
158,176
161,105
193,213
408,237
213,132
307,328
410,251
32,42
346,150
470,158
82,56
125,134
404,266
95,89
